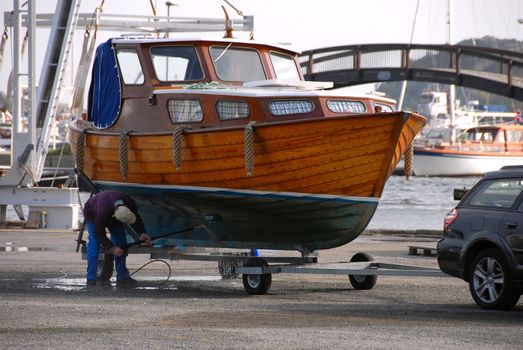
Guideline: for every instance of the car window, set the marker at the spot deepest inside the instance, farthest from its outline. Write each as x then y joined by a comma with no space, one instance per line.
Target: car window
497,193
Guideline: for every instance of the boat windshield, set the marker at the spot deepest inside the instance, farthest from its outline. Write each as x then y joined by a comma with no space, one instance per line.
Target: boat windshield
480,135
514,135
237,64
442,134
425,98
176,63
284,66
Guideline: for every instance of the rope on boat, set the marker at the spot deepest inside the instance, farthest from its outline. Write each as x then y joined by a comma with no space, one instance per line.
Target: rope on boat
409,156
123,151
79,153
248,141
177,147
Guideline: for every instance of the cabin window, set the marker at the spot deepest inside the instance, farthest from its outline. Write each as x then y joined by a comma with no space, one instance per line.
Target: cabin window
340,106
185,111
286,107
237,64
481,135
284,66
130,67
514,136
384,107
176,63
228,110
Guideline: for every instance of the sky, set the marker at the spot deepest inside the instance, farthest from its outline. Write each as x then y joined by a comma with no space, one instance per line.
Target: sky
309,24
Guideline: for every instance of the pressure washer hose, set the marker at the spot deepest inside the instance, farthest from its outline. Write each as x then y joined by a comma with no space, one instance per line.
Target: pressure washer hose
152,261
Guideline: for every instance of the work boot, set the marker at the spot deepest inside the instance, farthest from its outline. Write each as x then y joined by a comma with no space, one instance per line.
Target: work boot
90,283
127,282
103,281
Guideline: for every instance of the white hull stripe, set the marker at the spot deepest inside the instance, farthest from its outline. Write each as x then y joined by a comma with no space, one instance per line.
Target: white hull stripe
467,156
243,193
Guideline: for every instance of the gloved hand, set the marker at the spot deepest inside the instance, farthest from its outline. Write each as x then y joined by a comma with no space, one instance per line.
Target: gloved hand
146,239
117,251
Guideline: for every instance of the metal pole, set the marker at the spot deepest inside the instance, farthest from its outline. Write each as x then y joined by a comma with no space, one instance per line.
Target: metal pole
17,119
168,4
31,79
452,88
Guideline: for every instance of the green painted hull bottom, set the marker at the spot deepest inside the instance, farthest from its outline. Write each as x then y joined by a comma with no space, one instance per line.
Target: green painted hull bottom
226,218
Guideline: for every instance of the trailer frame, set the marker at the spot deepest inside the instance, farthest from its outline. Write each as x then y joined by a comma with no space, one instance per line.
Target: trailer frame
257,271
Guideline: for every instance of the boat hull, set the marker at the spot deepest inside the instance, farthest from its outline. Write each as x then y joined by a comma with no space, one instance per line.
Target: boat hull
248,219
439,163
314,184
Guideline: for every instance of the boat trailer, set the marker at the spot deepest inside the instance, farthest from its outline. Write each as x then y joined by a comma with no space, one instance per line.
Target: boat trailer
256,271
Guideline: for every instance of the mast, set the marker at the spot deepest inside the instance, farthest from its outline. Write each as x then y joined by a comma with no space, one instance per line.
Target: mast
452,88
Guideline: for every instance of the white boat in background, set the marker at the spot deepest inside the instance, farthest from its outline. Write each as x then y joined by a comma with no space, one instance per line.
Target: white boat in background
478,150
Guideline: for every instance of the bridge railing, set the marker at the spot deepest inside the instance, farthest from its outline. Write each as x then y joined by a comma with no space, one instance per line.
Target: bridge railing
493,70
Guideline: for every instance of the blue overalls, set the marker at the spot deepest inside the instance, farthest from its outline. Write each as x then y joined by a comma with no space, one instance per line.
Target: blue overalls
118,238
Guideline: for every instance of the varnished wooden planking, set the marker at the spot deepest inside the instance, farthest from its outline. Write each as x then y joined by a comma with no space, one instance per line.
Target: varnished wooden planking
334,156
216,160
161,148
317,164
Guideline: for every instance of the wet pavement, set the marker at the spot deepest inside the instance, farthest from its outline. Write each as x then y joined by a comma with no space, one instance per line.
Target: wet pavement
44,303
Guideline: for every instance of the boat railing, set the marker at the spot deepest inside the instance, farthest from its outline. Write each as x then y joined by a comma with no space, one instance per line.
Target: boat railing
477,147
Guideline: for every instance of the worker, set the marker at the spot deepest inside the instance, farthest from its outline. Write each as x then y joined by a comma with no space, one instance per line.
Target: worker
111,210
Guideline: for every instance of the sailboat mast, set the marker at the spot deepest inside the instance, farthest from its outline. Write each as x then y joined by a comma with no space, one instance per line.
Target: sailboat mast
452,88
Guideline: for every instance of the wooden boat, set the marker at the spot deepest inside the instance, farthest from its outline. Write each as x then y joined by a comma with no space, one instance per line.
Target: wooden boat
478,150
225,137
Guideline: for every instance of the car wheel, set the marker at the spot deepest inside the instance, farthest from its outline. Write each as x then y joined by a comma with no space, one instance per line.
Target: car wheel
490,281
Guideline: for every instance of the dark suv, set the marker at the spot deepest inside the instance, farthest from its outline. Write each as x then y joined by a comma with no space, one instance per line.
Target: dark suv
483,239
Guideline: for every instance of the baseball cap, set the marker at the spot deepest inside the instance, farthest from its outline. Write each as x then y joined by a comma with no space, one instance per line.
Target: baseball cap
124,215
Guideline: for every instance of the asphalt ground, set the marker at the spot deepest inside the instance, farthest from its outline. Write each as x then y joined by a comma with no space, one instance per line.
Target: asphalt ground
44,304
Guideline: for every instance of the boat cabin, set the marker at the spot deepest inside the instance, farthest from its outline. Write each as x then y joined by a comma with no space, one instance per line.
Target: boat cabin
498,138
493,134
153,84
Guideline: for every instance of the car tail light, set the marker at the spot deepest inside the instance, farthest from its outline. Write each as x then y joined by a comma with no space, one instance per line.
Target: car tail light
450,217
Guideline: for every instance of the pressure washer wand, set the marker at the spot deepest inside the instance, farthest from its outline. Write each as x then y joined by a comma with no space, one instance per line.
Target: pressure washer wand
141,241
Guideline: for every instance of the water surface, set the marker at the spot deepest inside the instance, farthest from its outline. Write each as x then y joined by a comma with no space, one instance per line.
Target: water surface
417,204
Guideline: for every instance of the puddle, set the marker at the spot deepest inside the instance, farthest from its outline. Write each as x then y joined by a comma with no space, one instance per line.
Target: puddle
149,283
9,247
65,284
183,278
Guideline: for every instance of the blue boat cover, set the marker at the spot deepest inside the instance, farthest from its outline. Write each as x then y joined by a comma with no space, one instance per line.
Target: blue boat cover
105,92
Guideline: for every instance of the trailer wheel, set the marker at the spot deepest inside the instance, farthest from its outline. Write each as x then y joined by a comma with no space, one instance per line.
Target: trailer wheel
362,281
226,268
105,268
256,284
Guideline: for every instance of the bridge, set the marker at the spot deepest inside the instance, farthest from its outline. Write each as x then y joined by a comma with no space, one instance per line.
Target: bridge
491,70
